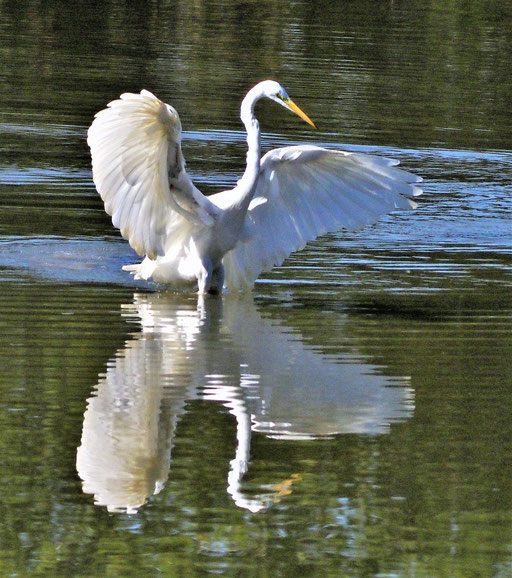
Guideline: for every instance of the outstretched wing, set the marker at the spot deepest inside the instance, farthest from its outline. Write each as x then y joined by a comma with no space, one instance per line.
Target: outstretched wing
139,171
306,191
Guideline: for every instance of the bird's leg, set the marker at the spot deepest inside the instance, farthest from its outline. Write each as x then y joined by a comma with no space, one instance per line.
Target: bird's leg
204,276
217,281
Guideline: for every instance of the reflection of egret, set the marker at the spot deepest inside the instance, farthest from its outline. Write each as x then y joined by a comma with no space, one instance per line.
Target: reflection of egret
283,201
221,351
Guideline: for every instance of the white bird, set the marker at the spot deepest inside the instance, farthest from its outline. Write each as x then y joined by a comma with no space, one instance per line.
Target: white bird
283,200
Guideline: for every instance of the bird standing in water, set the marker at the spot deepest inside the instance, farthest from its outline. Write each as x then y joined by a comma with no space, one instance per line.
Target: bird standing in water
283,200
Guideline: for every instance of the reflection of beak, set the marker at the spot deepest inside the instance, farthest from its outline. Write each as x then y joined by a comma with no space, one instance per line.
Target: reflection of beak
293,107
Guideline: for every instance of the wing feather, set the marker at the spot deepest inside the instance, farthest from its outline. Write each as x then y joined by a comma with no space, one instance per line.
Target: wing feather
306,191
135,146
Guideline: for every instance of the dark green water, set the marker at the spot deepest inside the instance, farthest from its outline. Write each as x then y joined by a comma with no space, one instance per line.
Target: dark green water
350,417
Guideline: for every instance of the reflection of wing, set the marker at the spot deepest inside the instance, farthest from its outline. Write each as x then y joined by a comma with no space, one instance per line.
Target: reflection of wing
139,171
292,390
258,368
306,191
129,423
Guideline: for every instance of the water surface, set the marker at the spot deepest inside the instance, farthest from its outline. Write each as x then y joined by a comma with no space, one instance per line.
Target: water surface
349,417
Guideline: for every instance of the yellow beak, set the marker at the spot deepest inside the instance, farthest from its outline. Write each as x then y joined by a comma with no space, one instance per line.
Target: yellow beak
293,107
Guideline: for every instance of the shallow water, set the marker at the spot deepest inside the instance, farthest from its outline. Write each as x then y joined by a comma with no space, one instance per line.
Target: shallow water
349,417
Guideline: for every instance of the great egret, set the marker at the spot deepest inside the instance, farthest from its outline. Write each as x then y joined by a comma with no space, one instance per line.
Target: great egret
289,197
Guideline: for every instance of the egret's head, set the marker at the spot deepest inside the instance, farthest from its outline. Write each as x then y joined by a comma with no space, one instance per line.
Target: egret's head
277,93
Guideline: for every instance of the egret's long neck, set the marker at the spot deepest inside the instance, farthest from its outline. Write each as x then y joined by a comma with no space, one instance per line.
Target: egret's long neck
247,184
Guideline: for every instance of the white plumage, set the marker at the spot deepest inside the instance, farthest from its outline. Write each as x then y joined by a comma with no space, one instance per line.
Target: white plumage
290,197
